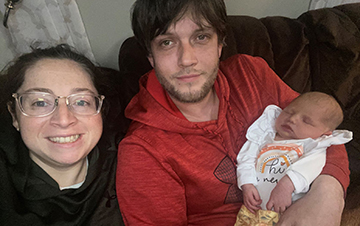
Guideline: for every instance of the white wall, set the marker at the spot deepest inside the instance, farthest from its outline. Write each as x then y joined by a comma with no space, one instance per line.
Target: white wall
107,22
263,8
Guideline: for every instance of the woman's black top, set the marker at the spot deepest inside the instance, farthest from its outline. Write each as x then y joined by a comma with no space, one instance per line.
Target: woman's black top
29,196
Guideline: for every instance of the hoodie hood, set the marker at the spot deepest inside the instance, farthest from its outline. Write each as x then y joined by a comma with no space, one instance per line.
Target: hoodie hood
152,108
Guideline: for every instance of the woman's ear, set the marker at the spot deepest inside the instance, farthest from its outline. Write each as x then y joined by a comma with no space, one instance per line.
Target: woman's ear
13,116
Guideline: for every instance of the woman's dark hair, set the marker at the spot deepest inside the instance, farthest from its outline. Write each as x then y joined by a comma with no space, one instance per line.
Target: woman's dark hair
151,18
13,75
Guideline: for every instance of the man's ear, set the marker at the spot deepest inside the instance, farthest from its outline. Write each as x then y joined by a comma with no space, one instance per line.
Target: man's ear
220,49
13,116
151,59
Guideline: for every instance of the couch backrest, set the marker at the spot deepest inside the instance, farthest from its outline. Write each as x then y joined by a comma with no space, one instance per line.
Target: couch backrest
281,41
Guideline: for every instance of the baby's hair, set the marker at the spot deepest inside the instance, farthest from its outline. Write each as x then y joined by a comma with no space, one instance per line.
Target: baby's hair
334,114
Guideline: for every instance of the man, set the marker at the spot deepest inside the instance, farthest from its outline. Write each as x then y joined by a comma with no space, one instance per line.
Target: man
177,163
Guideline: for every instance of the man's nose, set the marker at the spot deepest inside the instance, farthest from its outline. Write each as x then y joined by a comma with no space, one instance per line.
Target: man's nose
187,56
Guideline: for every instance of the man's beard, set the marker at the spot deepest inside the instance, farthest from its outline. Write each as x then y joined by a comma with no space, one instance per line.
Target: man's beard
191,96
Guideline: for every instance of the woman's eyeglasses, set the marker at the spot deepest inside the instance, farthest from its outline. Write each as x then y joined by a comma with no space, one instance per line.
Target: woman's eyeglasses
40,104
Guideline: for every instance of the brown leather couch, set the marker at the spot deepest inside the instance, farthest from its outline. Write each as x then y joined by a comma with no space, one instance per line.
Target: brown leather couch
318,51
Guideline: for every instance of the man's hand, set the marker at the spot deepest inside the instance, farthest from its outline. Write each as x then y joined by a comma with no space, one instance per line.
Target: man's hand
280,198
322,206
251,196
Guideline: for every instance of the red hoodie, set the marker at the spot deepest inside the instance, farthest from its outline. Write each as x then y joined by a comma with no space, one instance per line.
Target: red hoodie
175,172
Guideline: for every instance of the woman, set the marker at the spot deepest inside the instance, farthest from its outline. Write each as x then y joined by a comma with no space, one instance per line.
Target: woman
52,171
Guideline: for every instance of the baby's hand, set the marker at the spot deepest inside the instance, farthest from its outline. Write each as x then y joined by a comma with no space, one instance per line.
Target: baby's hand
251,196
280,198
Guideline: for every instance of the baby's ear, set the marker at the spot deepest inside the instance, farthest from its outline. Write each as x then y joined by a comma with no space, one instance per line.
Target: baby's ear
328,133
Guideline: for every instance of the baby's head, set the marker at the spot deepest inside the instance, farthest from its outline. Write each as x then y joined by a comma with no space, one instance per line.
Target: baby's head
310,115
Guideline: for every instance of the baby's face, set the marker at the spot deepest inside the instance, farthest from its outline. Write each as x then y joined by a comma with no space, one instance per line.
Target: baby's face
300,120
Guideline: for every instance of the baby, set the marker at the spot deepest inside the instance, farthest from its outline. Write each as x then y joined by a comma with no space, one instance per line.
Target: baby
286,150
